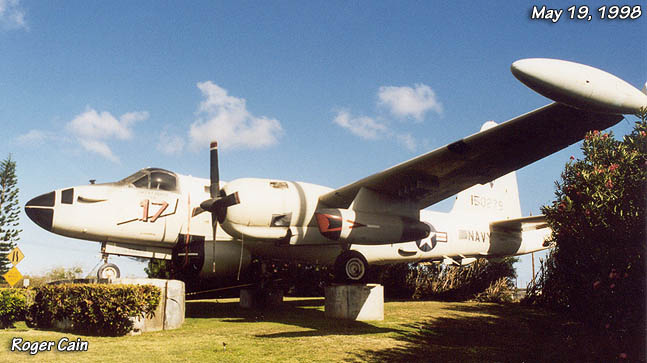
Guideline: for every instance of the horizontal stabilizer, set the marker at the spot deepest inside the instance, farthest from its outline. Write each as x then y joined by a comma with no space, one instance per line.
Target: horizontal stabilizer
518,236
520,224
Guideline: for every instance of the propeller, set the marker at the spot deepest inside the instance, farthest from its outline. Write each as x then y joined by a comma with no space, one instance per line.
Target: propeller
217,204
219,201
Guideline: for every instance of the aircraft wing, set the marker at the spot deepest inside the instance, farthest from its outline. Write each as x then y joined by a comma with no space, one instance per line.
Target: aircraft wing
479,158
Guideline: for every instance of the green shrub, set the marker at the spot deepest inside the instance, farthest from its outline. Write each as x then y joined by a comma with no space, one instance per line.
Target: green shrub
499,291
93,309
460,283
597,272
12,306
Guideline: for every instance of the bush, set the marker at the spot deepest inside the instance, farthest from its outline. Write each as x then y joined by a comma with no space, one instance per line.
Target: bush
397,279
93,309
460,283
499,291
597,271
13,304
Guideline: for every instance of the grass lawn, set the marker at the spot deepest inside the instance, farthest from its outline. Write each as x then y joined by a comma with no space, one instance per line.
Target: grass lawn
298,332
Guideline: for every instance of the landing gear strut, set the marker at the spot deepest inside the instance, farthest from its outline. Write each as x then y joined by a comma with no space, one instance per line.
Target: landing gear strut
107,270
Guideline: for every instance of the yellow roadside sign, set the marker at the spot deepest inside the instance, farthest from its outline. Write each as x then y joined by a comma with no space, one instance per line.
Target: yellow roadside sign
12,276
15,256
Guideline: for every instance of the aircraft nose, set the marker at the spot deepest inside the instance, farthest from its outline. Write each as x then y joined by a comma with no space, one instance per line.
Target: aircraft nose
41,210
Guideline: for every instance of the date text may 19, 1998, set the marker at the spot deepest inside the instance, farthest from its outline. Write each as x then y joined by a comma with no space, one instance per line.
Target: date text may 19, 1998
583,12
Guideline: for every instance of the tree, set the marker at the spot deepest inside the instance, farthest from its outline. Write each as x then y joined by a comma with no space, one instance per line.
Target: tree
9,211
62,273
158,269
597,270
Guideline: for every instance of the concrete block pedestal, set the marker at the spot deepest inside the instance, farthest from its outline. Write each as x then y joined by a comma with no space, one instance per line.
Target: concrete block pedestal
171,310
361,302
168,315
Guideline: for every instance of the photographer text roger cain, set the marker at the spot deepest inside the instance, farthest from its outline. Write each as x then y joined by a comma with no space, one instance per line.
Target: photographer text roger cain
62,345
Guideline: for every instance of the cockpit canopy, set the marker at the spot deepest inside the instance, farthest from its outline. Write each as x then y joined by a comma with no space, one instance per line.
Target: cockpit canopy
152,178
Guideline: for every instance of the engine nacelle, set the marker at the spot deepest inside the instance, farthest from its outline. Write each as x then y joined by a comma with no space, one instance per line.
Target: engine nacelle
268,208
208,259
355,227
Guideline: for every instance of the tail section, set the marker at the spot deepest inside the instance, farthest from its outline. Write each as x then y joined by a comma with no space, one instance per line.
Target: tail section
498,199
645,88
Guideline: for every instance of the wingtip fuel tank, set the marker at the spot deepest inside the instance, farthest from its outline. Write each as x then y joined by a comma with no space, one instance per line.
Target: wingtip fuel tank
579,85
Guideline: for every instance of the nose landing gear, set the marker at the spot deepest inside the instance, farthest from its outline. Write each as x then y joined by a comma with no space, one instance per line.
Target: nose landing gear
107,270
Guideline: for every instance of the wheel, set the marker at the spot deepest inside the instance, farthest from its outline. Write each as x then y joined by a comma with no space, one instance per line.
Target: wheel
351,266
108,271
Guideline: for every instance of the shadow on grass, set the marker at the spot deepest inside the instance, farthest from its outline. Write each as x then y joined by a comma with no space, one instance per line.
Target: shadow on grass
303,313
493,333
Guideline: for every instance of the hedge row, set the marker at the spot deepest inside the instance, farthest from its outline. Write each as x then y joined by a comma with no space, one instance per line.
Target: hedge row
93,309
13,305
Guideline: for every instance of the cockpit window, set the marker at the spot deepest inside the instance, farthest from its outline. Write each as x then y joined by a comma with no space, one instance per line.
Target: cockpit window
151,178
141,182
162,181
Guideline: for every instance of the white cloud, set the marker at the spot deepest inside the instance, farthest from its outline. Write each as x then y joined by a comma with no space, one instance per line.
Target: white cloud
32,137
170,144
225,119
371,129
102,125
409,102
98,147
92,129
12,16
408,141
364,127
401,102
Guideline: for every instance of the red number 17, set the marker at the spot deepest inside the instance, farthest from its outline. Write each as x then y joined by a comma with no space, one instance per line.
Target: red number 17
145,206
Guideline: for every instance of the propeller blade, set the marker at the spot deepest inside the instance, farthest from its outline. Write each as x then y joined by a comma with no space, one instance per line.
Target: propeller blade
212,204
218,203
224,203
214,188
229,200
196,211
209,204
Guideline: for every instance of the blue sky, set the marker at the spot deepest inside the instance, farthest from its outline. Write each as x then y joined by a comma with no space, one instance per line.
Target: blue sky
322,92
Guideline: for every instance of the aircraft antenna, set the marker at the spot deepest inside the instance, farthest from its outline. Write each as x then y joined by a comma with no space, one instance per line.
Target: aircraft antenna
187,239
240,263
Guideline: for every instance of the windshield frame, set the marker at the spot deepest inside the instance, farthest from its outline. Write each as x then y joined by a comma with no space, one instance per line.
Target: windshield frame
148,173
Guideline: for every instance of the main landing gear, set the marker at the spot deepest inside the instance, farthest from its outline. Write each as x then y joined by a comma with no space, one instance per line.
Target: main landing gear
351,267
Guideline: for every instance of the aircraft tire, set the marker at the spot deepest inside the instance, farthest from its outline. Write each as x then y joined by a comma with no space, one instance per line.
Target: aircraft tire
351,267
108,271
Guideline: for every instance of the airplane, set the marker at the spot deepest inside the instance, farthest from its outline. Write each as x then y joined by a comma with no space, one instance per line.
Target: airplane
211,229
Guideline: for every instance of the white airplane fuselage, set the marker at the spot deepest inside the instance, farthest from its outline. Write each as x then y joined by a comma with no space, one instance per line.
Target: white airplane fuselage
133,219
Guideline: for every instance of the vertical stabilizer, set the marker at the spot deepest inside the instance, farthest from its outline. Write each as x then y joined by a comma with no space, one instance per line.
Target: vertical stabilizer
645,88
497,200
